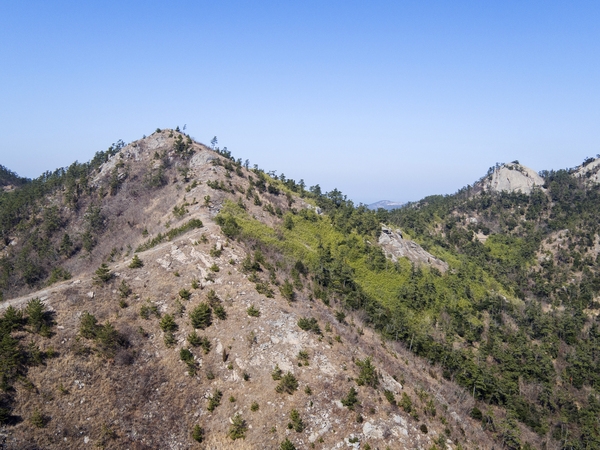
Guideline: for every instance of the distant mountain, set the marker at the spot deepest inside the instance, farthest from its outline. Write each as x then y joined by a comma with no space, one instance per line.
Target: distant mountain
385,204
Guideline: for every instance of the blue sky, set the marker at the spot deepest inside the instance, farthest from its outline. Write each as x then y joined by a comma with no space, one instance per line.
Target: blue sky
382,100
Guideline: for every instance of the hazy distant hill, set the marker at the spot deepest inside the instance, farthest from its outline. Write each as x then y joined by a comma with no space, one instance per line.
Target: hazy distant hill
385,204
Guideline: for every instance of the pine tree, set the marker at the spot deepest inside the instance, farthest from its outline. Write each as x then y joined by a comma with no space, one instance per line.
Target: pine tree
103,274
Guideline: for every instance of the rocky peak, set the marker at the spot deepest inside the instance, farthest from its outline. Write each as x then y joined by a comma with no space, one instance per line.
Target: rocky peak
512,177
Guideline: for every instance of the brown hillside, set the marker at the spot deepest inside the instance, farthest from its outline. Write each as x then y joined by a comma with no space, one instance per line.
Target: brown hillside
139,388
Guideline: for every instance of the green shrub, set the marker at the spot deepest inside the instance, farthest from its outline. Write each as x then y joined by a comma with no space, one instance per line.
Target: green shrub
287,291
287,384
368,374
169,339
406,403
108,339
296,421
103,274
147,310
185,294
88,325
253,311
303,357
180,211
277,373
215,252
287,445
201,316
238,427
171,234
309,324
214,400
193,339
264,289
198,433
476,413
12,319
351,400
220,312
205,344
254,407
389,395
167,323
229,225
136,262
38,419
212,297
185,355
58,274
36,316
124,289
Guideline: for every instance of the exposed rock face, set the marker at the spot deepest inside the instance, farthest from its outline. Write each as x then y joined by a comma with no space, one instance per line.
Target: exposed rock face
512,178
395,246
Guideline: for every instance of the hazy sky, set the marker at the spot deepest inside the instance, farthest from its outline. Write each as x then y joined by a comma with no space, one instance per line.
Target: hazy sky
383,100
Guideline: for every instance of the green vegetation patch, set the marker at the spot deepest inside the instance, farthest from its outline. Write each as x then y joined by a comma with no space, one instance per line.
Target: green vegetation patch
170,235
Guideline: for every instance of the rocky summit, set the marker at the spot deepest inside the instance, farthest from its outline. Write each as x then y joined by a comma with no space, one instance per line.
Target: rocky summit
512,177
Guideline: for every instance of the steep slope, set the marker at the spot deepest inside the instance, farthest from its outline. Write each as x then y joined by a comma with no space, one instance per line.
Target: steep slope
214,304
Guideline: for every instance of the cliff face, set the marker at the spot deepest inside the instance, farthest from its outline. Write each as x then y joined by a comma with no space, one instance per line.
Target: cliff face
513,178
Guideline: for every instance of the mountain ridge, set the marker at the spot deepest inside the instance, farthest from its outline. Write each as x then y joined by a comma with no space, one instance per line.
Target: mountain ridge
245,278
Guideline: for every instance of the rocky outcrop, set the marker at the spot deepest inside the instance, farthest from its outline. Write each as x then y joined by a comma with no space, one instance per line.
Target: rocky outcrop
590,170
512,177
395,246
